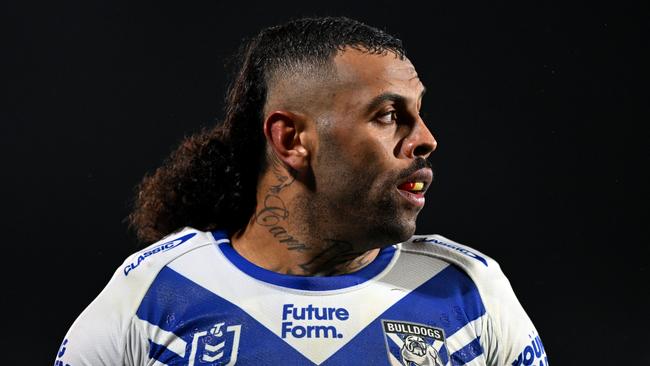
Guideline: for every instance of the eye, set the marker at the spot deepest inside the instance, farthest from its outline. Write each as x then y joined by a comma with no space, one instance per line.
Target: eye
387,117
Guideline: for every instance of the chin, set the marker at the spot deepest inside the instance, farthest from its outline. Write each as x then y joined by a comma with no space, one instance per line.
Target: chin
393,232
406,232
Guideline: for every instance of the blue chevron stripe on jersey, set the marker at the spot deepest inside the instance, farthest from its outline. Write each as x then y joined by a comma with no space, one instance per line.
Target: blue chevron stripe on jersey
178,305
435,303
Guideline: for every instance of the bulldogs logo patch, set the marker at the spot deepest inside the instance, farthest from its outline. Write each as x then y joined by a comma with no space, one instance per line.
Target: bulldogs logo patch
412,344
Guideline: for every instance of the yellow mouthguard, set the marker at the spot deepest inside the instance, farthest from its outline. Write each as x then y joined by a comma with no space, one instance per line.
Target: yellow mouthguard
418,186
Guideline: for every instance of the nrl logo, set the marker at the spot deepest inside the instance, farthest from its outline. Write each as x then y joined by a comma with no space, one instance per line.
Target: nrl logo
218,346
412,344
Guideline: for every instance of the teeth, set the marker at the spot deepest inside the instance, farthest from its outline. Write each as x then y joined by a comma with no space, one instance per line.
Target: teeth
418,186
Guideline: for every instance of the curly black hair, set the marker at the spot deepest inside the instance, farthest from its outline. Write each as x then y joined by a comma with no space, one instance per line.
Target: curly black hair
210,180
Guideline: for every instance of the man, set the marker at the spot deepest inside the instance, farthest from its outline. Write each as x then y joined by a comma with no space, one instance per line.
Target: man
292,229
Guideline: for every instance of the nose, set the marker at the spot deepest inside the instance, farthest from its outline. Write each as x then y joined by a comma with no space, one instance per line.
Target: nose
420,142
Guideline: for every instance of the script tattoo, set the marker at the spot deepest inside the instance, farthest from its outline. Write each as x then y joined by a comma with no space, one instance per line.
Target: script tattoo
283,180
275,212
335,257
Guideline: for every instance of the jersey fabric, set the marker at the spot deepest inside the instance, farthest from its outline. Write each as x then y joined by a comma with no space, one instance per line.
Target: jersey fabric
191,299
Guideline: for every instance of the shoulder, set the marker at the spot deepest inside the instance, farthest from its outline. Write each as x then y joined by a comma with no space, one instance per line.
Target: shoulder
105,330
132,280
468,259
484,271
140,270
133,277
508,330
150,260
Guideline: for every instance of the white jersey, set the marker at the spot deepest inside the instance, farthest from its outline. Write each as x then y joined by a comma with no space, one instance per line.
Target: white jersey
191,299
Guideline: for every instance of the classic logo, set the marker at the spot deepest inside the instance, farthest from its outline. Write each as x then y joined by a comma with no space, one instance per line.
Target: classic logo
462,250
157,249
412,344
218,346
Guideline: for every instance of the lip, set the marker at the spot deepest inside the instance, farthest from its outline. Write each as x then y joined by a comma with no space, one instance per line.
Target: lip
424,175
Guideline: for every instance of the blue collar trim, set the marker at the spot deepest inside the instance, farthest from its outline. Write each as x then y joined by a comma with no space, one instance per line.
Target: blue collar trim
309,283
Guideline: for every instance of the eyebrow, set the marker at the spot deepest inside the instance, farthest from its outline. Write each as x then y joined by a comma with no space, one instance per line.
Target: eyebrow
389,97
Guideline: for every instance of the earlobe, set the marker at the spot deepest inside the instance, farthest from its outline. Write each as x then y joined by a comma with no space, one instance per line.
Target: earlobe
284,133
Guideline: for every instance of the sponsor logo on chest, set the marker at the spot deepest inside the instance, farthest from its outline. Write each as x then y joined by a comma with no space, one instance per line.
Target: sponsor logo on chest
312,321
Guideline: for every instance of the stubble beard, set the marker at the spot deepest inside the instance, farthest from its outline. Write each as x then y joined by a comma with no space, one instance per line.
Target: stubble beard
358,203
359,210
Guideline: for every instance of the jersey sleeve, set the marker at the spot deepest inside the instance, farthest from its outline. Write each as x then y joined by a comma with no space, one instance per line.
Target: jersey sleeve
508,336
108,332
104,331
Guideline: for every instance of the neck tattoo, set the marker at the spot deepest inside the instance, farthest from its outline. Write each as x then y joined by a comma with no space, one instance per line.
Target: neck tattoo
332,258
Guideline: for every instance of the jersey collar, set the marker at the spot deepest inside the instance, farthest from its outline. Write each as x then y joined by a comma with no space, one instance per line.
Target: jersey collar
309,283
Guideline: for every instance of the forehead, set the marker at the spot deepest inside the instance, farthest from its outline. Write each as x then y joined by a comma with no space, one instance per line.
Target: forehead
368,75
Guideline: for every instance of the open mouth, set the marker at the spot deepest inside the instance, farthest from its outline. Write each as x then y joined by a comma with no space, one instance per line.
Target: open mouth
412,187
413,192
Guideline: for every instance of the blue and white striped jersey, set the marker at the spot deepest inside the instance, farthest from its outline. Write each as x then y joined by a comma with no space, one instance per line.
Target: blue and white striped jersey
191,299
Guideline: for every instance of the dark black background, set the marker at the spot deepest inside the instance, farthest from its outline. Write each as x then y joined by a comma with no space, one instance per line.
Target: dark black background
540,112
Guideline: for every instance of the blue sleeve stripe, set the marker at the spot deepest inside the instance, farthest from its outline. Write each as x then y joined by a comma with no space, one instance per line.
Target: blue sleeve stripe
466,354
162,354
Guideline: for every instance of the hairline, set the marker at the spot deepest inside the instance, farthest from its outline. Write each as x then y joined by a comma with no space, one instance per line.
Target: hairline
316,68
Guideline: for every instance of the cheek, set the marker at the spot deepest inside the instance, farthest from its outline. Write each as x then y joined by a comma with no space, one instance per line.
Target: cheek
374,171
358,160
370,148
344,176
376,156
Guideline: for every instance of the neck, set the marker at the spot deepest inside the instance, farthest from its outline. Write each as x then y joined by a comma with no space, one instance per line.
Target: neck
280,238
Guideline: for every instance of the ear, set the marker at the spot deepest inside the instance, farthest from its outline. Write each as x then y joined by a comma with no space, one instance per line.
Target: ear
286,135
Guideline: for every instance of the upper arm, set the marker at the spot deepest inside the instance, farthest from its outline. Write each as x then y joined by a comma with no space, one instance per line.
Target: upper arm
509,338
98,336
